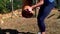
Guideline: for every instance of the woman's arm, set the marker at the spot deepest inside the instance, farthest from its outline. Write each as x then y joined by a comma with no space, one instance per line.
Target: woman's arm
41,2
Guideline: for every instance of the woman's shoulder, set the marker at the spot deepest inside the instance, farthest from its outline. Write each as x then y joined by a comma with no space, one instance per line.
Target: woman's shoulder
51,0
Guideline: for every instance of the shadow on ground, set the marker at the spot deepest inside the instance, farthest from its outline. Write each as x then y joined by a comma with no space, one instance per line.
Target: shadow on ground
12,31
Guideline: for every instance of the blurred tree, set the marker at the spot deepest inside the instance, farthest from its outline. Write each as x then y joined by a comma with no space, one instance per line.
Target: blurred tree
6,5
57,4
3,5
17,4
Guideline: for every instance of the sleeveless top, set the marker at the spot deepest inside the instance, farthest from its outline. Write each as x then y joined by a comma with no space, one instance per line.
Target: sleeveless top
48,1
51,0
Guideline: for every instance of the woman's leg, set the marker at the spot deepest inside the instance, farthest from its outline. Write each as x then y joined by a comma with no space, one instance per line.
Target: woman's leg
43,13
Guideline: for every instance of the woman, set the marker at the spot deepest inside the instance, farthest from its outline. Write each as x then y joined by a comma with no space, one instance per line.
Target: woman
45,8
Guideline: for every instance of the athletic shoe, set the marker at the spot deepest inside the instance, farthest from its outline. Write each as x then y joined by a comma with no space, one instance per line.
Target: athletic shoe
39,33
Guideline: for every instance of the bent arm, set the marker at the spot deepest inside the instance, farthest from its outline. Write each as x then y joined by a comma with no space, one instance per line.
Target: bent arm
41,2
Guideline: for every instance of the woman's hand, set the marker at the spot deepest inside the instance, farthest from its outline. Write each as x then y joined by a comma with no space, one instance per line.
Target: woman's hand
26,8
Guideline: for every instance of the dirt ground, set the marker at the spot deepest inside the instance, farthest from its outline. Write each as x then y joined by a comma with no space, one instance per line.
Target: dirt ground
29,25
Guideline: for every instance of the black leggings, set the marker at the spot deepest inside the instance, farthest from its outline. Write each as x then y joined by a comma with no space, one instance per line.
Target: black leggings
43,13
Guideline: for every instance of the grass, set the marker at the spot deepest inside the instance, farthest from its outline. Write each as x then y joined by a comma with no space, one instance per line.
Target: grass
30,24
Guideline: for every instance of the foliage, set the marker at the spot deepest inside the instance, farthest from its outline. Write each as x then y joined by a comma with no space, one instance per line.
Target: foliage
17,4
3,4
6,5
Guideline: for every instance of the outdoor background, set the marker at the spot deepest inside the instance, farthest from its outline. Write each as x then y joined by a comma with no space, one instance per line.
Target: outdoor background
12,22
